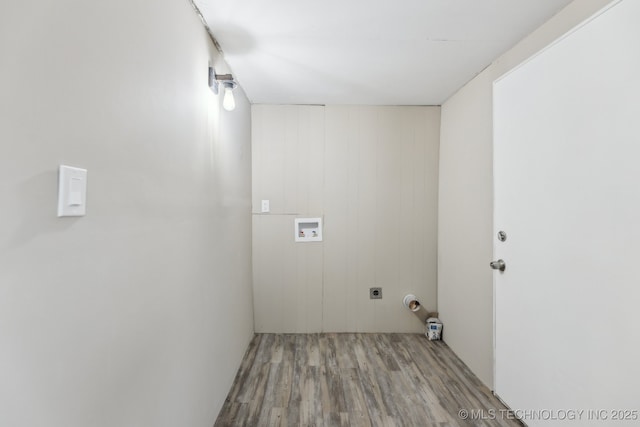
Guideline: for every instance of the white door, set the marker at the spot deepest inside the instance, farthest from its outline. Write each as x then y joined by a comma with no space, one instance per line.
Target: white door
567,195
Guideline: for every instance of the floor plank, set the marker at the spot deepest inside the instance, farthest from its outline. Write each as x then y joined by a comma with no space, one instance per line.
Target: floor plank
356,380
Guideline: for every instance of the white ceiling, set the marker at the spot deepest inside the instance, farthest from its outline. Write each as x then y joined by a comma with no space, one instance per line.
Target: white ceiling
401,52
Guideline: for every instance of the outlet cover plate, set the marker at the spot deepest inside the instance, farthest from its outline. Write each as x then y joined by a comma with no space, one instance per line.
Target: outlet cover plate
375,293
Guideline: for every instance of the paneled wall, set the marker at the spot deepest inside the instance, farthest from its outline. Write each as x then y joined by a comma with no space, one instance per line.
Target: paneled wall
371,173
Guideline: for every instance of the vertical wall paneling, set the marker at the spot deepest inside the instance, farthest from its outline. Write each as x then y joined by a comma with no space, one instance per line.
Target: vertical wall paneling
367,167
293,154
371,173
355,291
387,216
266,230
339,137
288,147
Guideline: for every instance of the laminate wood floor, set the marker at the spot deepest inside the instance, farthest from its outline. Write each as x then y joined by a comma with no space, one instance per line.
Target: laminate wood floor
357,380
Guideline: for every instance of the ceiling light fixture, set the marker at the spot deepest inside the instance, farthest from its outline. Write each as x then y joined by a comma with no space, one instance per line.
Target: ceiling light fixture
226,82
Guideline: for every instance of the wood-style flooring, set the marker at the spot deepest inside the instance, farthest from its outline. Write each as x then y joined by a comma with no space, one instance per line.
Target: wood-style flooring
357,380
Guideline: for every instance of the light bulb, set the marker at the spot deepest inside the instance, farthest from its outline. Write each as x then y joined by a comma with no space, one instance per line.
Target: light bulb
228,102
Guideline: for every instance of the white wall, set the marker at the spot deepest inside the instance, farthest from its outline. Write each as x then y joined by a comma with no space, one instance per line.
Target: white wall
465,206
136,314
372,173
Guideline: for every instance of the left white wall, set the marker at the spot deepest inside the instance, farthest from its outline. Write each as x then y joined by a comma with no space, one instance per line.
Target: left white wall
139,313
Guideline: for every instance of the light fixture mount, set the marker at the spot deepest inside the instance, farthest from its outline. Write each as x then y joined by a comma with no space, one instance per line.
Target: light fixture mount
217,80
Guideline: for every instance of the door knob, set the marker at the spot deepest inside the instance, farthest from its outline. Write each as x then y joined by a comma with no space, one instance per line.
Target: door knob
498,265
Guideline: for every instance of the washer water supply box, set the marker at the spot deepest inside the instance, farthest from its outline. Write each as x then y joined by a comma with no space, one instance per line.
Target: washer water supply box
308,230
434,329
